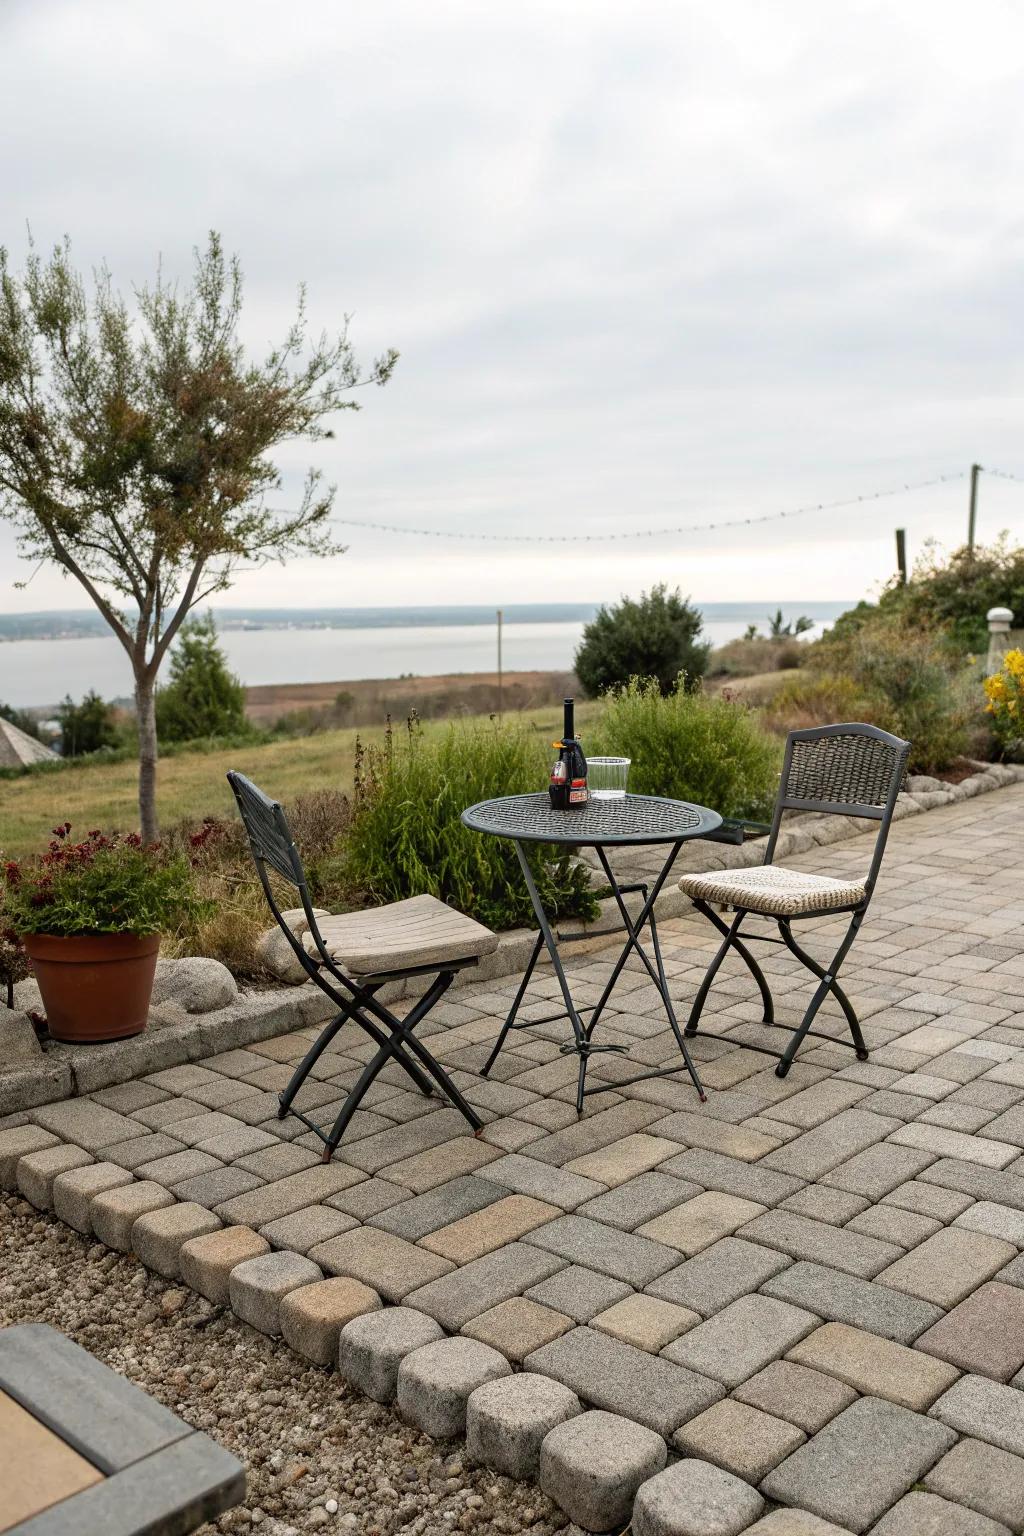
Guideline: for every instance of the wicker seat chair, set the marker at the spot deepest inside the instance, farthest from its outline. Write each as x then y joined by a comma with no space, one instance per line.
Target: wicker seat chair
351,956
846,770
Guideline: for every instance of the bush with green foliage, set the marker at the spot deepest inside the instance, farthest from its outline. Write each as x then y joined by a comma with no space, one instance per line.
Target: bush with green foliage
406,836
204,698
87,727
656,637
21,718
691,746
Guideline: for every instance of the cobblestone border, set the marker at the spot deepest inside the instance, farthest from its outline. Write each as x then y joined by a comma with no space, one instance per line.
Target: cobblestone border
69,1071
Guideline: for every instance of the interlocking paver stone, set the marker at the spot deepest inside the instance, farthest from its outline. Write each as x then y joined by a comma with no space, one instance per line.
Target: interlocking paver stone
860,1463
622,1160
312,1316
372,1347
924,1514
806,1398
694,1498
414,1218
994,1220
309,1186
802,1238
16,1142
593,1464
948,1266
732,1176
215,1186
984,1334
817,1152
114,1211
645,1321
158,1235
73,1192
507,1420
741,1339
631,1204
742,1439
928,1200
876,1367
891,1225
304,1229
981,1183
579,1292
37,1171
492,1227
972,1149
388,1263
625,1256
206,1262
87,1124
712,1279
526,1175
457,1297
985,1410
594,1132
699,1222
794,1522
984,1478
879,1169
436,1380
258,1286
517,1327
612,1375
141,1149
841,1298
177,1167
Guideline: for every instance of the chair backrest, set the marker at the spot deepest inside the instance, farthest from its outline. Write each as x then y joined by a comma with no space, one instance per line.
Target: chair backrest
271,843
843,770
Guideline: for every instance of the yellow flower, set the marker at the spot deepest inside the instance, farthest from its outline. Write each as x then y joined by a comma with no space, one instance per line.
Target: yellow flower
1013,661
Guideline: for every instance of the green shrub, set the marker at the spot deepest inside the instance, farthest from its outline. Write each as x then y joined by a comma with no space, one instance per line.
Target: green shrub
204,698
87,727
656,637
691,746
809,697
754,654
406,837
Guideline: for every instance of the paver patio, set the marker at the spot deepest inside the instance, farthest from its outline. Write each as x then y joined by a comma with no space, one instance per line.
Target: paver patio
827,1268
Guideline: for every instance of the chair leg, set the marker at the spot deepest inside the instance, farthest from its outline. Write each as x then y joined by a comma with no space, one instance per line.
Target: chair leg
353,1100
837,992
730,941
826,985
308,1061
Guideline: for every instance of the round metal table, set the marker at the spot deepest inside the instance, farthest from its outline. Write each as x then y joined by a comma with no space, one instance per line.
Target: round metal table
632,821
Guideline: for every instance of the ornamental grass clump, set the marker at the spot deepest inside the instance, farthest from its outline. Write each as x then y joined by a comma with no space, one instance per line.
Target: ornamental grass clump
1005,693
406,837
101,885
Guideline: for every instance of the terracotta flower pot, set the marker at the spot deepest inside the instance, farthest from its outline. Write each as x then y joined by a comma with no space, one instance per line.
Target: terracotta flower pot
95,986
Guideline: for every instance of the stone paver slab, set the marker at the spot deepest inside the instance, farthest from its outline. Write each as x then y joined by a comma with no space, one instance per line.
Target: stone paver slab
622,1160
16,1142
507,1421
789,1391
986,1410
645,1322
629,1205
492,1227
87,1124
994,1220
73,1192
517,1327
258,1286
699,1222
416,1216
158,1235
593,1464
310,1186
842,1298
526,1175
983,1335
206,1262
718,1275
817,1152
312,1316
693,1498
732,1176
924,1514
456,1298
945,1143
389,1264
803,1238
38,1170
947,1266
876,1367
983,1478
580,1293
742,1439
113,1212
626,1256
741,1339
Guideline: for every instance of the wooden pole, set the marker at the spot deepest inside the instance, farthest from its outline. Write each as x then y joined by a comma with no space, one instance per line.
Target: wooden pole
901,555
972,515
500,701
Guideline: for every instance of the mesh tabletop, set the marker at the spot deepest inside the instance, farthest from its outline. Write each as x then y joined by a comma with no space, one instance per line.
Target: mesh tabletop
633,819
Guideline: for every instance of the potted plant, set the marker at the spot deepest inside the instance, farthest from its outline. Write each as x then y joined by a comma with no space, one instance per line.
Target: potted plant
90,916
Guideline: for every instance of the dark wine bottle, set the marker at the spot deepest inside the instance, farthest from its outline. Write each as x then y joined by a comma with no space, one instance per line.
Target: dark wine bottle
567,786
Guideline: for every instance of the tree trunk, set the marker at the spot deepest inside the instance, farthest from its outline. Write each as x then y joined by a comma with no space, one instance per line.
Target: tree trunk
145,714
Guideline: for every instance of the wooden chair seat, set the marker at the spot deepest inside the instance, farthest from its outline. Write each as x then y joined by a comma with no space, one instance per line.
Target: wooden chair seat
404,936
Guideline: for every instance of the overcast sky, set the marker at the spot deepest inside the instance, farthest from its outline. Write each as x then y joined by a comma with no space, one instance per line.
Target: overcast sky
646,264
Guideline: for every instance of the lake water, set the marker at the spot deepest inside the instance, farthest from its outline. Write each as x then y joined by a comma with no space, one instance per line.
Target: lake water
41,672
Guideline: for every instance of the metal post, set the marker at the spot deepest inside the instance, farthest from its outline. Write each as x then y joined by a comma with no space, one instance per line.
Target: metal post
972,515
499,666
901,555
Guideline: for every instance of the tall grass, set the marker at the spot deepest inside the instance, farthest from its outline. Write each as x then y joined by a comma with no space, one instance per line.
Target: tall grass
406,835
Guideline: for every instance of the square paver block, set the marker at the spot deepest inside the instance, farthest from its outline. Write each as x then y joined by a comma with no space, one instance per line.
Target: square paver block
37,1171
984,1478
645,1322
16,1142
876,1367
986,1410
87,1124
860,1463
631,1204
625,1256
492,1227
817,1152
305,1229
694,1498
413,1218
592,1465
517,1327
928,1200
529,1176
925,1514
699,1222
984,1334
803,1238
712,1279
206,1262
790,1391
742,1338
612,1375
114,1212
948,1266
372,1347
158,1235
507,1421
312,1316
258,1286
622,1160
215,1187
458,1296
389,1264
739,1438
842,1298
579,1292
73,1192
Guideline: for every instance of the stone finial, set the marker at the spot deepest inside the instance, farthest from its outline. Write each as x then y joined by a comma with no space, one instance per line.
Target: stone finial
999,620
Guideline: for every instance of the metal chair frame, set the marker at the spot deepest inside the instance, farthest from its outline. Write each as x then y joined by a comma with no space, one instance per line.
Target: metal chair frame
271,844
867,789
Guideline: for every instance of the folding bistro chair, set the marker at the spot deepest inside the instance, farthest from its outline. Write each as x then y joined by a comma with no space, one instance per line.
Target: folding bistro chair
351,956
845,770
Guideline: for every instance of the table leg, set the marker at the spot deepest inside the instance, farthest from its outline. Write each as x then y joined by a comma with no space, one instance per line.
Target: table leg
551,944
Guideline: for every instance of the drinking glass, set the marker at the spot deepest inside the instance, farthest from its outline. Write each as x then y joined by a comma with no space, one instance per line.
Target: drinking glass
607,776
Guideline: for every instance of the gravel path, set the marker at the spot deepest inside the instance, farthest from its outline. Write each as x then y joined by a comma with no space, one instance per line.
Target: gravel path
319,1457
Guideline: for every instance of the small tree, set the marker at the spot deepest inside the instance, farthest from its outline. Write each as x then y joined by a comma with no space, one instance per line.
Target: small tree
21,718
656,637
86,727
134,446
778,629
203,697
